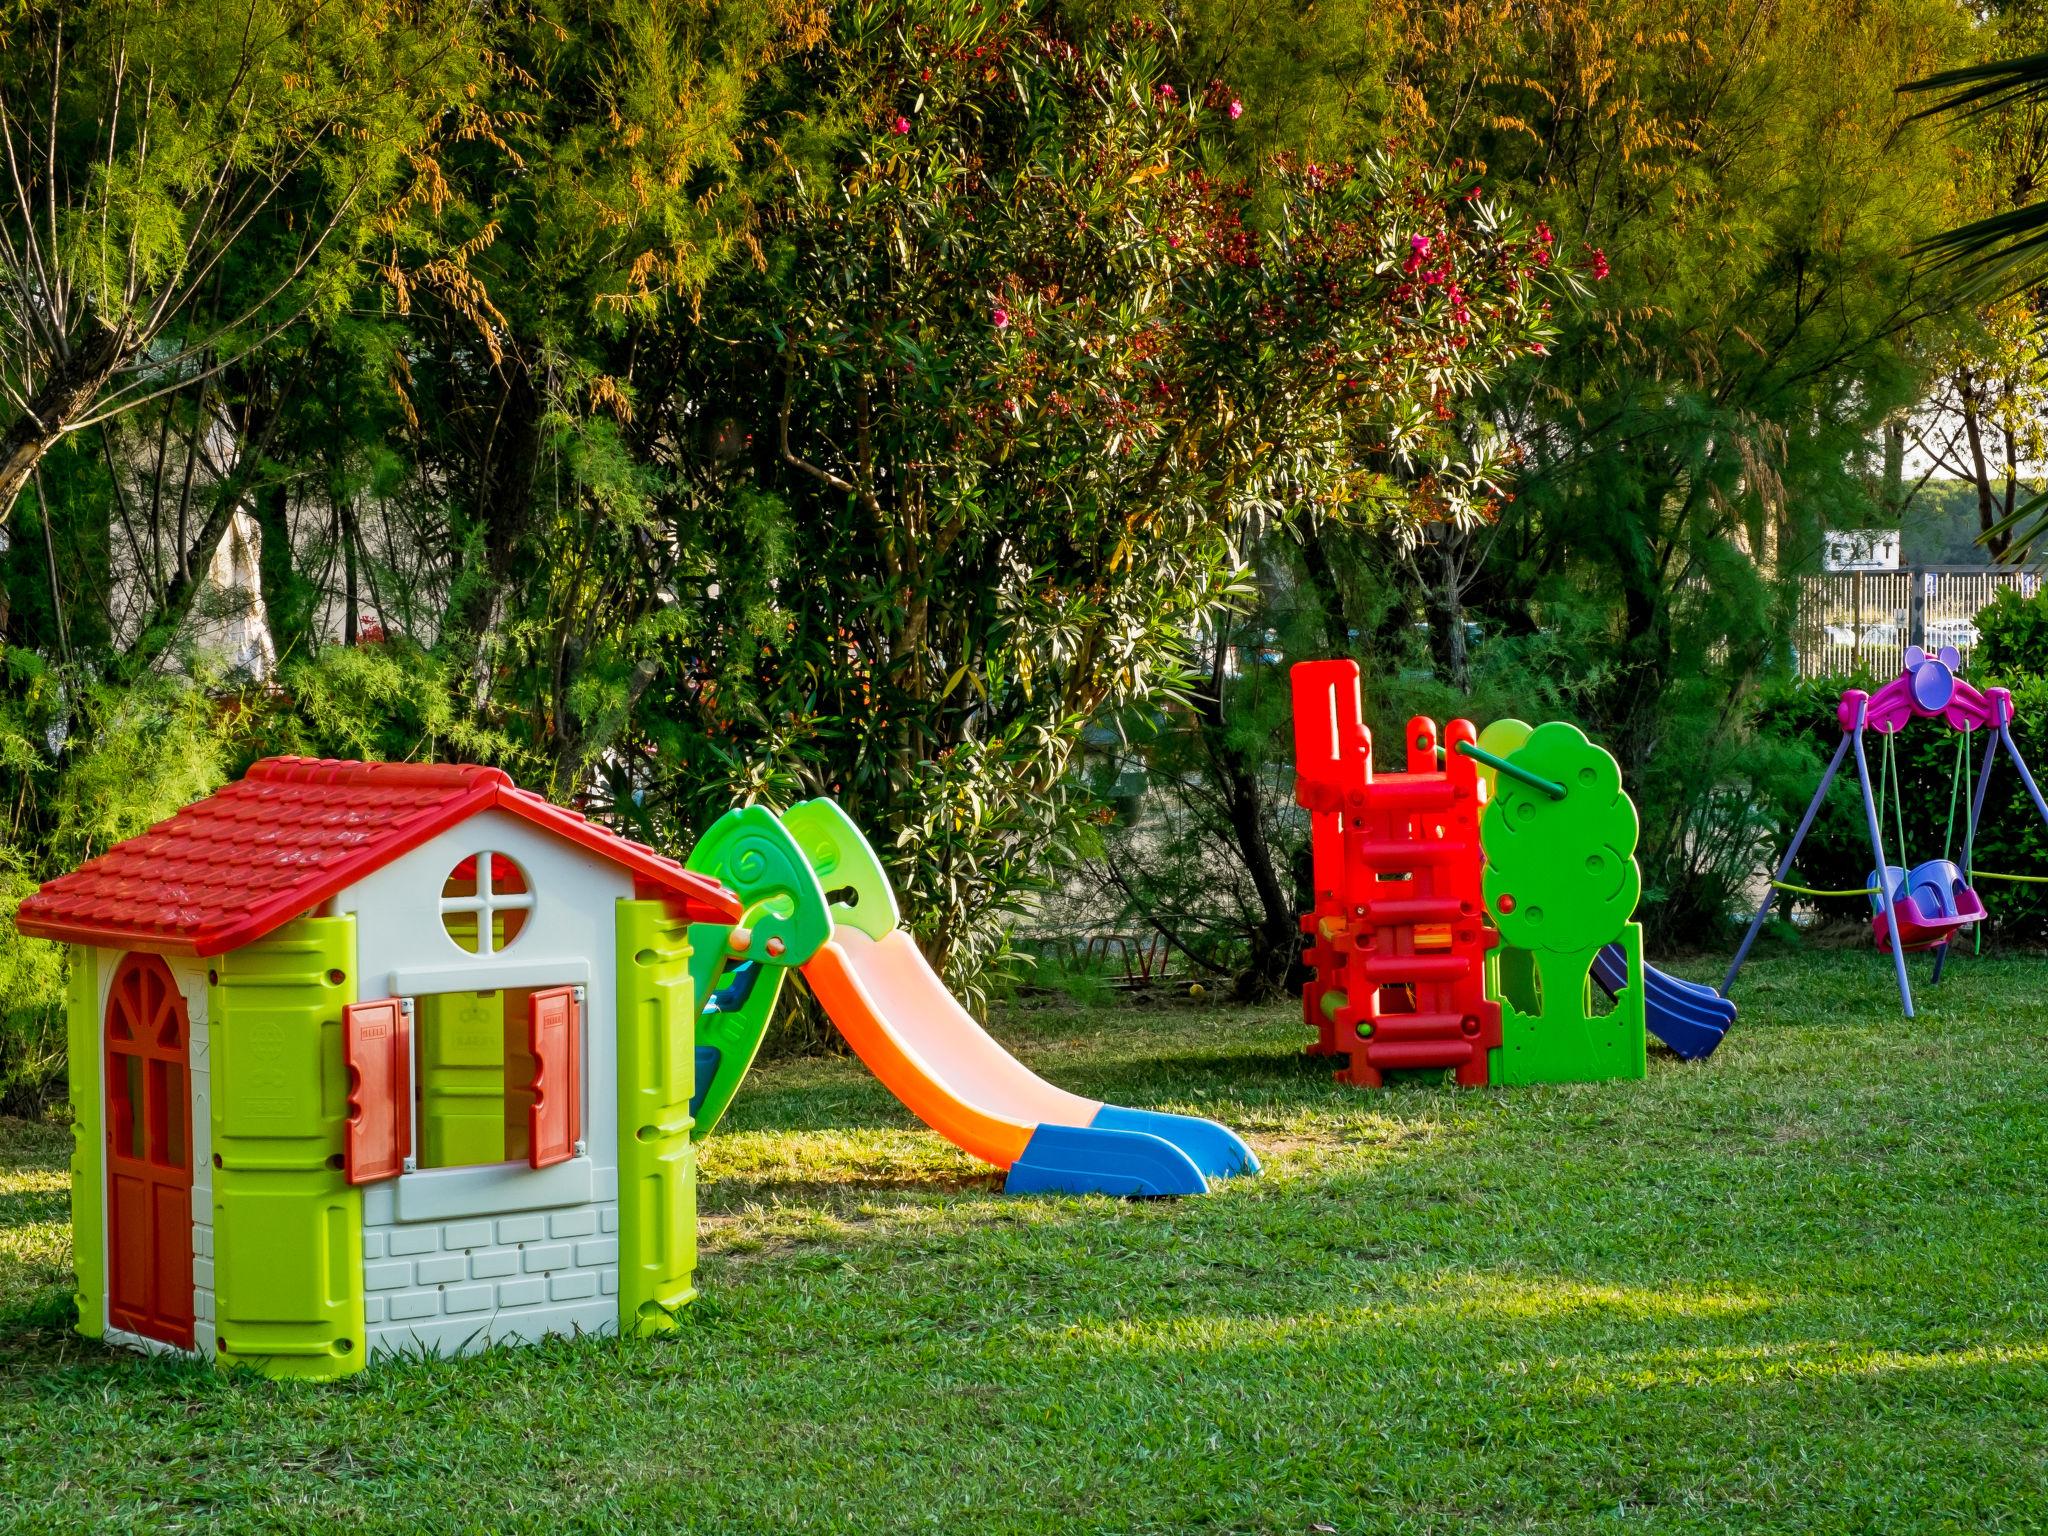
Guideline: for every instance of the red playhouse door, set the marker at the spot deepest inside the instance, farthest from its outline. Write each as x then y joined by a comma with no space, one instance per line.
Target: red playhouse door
149,1154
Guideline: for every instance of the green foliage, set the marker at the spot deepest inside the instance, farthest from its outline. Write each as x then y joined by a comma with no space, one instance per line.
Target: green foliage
85,765
1029,380
2012,636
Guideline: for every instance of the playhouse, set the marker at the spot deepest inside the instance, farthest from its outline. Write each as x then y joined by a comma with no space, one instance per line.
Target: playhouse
369,1058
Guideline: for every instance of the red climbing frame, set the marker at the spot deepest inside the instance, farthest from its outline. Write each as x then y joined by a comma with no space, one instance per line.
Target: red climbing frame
1396,939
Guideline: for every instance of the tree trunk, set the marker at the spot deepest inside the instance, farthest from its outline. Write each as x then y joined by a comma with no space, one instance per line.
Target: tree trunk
67,393
1275,959
1445,600
287,595
1894,493
351,607
505,481
1330,594
1980,467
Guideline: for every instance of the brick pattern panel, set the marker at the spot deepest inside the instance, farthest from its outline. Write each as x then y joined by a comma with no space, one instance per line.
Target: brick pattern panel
448,1287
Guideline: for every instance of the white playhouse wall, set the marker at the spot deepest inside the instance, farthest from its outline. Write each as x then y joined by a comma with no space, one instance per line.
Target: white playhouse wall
456,1258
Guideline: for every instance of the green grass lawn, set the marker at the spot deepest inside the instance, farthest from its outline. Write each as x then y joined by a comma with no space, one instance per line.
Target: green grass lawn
1801,1287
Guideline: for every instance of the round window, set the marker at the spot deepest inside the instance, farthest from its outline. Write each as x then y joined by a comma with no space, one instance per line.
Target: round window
485,902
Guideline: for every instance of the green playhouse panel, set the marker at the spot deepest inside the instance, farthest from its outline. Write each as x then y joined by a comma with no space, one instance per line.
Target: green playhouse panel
461,1053
88,1171
657,1077
288,1269
288,1227
280,1089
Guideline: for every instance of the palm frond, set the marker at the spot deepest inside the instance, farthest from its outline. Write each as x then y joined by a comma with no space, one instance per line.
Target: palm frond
1989,258
2024,525
1982,87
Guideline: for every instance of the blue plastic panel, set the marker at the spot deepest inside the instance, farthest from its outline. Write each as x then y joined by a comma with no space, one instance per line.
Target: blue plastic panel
1085,1160
1213,1148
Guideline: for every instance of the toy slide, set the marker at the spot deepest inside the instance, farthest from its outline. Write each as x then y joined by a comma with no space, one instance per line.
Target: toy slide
883,996
1688,1016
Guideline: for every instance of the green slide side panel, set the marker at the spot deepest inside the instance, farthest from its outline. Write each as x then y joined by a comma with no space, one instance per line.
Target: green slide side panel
749,853
287,1225
88,1172
657,1077
1564,1042
736,1036
844,860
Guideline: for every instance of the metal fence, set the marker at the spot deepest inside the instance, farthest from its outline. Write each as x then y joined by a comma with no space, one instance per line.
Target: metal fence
1862,621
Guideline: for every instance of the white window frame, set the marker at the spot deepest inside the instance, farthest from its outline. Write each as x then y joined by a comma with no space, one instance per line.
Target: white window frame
488,903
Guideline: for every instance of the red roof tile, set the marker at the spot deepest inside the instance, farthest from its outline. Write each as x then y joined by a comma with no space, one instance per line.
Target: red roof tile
294,831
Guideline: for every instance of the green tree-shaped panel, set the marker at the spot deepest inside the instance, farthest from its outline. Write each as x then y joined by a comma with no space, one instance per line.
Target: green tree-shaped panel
1566,868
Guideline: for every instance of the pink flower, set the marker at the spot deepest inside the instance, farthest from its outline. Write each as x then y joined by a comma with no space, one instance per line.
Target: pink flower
1597,264
1236,110
1001,318
1419,244
1166,92
901,125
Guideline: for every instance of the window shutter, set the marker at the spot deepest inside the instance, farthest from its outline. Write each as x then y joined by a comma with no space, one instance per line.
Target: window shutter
554,1034
378,1045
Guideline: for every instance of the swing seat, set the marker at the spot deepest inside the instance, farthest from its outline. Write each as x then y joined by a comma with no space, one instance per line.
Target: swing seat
1931,901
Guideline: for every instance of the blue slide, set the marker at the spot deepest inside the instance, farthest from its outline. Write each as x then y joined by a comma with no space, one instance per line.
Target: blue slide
1688,1016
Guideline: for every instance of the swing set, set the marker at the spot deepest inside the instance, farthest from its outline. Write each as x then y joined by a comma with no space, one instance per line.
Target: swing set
1922,906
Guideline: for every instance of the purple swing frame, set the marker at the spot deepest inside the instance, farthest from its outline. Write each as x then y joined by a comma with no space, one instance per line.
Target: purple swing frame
1928,689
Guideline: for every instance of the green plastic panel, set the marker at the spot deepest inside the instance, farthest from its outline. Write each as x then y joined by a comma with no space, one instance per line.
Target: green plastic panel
287,1226
736,1036
88,1170
1503,738
288,1272
844,861
657,1077
1565,1042
750,854
1566,867
461,1053
1561,882
280,1085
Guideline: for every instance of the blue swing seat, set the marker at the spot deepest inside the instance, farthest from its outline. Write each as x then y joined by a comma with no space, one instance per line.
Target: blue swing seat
1931,901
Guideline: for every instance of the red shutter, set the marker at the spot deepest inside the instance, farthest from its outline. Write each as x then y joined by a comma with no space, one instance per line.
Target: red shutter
378,1044
554,1035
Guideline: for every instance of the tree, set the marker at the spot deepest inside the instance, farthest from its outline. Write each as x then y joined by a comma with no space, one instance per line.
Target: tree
1037,379
187,179
1701,422
1986,417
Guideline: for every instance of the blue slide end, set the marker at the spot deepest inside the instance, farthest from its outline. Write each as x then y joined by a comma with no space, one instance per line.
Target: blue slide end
1688,1017
1213,1148
1088,1160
